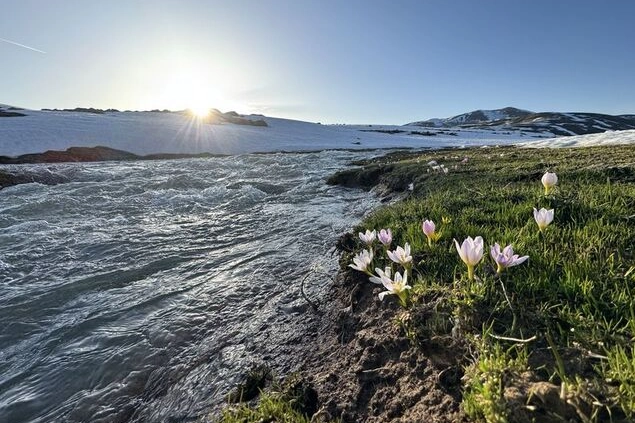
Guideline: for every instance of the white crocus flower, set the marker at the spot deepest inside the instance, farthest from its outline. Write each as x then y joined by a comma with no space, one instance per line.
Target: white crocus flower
549,180
471,252
401,255
382,274
398,287
543,217
362,260
369,237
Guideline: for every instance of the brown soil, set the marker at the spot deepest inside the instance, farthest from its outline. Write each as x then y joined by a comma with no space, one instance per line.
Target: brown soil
366,370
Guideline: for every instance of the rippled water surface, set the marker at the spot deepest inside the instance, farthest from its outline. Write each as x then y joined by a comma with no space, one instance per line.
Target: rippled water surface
138,291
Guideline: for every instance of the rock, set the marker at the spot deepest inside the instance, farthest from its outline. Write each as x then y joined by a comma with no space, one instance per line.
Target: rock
72,154
46,177
4,113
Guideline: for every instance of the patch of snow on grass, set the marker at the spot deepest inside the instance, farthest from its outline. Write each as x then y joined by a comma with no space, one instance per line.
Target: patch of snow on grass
604,138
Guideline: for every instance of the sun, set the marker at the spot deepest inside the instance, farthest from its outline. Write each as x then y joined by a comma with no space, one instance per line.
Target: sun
190,89
200,112
191,86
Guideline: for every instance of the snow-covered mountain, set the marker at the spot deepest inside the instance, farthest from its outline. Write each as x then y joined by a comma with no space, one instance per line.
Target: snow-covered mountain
513,119
164,133
154,132
475,117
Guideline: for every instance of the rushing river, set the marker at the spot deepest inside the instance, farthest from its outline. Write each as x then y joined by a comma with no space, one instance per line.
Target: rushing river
139,291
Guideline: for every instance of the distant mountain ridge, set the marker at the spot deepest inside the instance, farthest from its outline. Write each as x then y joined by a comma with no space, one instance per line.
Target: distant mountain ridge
513,119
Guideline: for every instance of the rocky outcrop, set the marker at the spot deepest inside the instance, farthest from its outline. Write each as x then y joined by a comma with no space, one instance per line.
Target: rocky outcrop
10,111
72,154
94,154
84,110
217,117
42,176
5,113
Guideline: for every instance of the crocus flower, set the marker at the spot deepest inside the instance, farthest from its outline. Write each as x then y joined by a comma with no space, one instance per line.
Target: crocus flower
549,180
471,252
382,274
543,217
401,255
362,260
369,237
397,287
429,230
505,258
385,237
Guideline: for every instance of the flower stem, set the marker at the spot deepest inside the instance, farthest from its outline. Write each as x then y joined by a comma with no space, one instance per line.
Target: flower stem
509,303
402,299
470,272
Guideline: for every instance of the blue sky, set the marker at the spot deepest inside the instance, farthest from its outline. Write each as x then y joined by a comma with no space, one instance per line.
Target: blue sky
342,61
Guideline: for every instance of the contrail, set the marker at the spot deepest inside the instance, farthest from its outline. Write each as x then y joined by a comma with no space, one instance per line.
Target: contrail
22,45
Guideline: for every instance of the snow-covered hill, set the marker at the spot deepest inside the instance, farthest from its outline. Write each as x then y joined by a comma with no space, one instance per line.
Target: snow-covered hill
604,138
174,132
145,133
554,123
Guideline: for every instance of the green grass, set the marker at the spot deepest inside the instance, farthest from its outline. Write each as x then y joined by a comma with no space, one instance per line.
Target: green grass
290,401
571,306
270,408
483,397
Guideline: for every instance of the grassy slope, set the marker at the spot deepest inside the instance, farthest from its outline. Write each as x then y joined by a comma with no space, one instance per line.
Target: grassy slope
569,312
552,339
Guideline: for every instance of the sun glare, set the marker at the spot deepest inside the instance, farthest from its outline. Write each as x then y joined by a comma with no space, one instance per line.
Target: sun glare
200,112
196,87
188,88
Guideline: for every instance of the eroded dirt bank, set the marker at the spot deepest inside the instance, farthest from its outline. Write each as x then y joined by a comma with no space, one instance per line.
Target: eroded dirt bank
364,368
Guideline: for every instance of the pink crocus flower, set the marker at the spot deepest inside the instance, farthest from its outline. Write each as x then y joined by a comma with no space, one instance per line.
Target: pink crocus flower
429,229
471,252
505,258
385,237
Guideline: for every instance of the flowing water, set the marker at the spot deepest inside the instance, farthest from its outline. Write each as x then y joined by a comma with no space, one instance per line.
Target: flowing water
139,291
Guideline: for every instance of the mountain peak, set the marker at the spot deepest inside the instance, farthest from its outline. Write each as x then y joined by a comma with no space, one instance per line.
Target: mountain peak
487,116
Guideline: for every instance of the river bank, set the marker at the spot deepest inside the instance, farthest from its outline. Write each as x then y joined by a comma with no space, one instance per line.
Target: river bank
530,346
